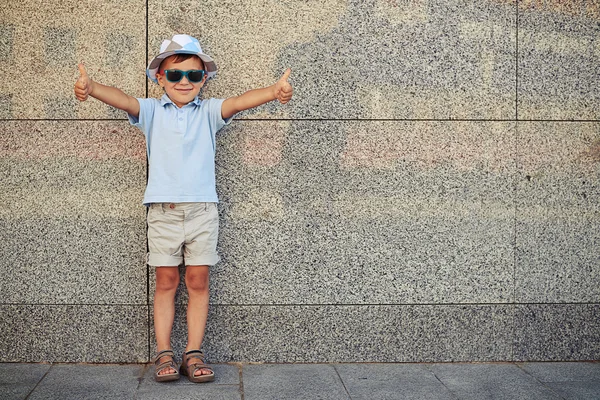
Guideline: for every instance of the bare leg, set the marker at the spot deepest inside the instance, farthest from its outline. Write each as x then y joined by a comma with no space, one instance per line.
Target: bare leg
196,281
167,280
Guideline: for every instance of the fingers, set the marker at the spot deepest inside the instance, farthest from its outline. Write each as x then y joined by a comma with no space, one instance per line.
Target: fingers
284,97
81,95
82,85
81,91
285,90
82,71
286,75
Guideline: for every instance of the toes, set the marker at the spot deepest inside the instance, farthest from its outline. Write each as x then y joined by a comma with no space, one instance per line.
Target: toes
202,371
166,371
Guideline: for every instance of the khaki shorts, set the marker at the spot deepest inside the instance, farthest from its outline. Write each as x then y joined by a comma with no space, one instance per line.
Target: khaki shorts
180,232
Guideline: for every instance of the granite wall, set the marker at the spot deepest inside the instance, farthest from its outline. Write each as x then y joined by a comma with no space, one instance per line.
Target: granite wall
430,194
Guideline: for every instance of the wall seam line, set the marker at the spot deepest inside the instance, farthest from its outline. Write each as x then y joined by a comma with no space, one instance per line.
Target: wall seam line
516,183
317,120
149,327
517,61
508,304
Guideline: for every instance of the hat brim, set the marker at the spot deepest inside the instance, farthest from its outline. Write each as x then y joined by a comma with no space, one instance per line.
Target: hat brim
209,64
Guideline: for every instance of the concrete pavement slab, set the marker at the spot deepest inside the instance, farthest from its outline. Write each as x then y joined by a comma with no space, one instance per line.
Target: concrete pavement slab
384,381
577,390
193,391
571,380
564,371
18,380
292,381
85,381
491,381
391,381
226,386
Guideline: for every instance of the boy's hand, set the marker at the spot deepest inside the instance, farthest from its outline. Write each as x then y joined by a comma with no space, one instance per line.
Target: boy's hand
83,86
283,89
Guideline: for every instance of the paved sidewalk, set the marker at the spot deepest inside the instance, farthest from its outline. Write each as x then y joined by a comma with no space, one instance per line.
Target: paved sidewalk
577,380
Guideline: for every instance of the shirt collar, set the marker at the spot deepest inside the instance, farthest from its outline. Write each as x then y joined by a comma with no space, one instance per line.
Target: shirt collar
164,100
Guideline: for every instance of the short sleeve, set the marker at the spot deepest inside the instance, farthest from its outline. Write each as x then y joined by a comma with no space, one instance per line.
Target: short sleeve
214,112
145,117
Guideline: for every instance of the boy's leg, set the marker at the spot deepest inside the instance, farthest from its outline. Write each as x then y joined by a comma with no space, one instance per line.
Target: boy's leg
167,280
196,281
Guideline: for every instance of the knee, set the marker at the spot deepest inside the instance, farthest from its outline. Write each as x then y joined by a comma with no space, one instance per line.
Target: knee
167,282
196,281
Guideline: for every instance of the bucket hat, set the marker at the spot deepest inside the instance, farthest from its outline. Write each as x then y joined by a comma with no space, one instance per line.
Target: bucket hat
180,44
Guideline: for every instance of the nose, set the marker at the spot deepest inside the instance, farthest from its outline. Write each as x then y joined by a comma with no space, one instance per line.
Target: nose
184,81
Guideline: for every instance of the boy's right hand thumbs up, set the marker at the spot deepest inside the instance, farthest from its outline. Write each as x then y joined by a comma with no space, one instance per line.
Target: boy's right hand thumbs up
83,84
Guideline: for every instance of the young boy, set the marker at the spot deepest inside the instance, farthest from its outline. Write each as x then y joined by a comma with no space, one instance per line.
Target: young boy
182,217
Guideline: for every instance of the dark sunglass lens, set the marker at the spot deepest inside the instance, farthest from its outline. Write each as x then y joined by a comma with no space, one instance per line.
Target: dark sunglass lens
174,75
195,76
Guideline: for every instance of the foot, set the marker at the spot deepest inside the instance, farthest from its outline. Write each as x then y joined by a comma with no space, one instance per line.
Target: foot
195,368
201,371
167,370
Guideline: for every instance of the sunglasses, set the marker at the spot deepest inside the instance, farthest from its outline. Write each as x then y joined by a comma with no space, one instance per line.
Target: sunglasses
176,75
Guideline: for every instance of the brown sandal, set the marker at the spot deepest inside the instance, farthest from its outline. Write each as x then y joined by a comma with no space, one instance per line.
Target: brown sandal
193,361
170,363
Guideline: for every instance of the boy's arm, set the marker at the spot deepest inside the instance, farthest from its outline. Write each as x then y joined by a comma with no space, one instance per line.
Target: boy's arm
281,90
85,87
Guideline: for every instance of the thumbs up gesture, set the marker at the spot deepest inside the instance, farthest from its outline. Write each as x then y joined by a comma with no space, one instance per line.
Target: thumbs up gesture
83,86
283,89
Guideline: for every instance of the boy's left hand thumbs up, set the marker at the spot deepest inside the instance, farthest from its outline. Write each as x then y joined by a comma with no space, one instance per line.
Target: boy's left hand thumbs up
283,89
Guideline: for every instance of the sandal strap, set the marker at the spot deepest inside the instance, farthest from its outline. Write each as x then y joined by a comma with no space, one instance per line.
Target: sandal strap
194,355
164,353
166,364
200,353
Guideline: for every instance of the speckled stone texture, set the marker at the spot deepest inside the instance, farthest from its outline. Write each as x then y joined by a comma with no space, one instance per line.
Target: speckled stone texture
557,332
357,58
41,43
558,212
369,212
559,48
74,333
73,224
333,333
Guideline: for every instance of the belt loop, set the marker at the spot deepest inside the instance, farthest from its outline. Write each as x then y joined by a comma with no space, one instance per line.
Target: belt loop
162,207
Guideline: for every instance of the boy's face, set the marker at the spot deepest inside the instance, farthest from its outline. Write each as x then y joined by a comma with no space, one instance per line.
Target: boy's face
184,91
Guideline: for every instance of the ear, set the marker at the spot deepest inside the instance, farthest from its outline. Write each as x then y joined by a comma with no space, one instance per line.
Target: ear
161,79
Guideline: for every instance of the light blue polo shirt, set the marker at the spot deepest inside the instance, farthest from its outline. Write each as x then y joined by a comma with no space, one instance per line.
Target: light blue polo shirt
180,144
